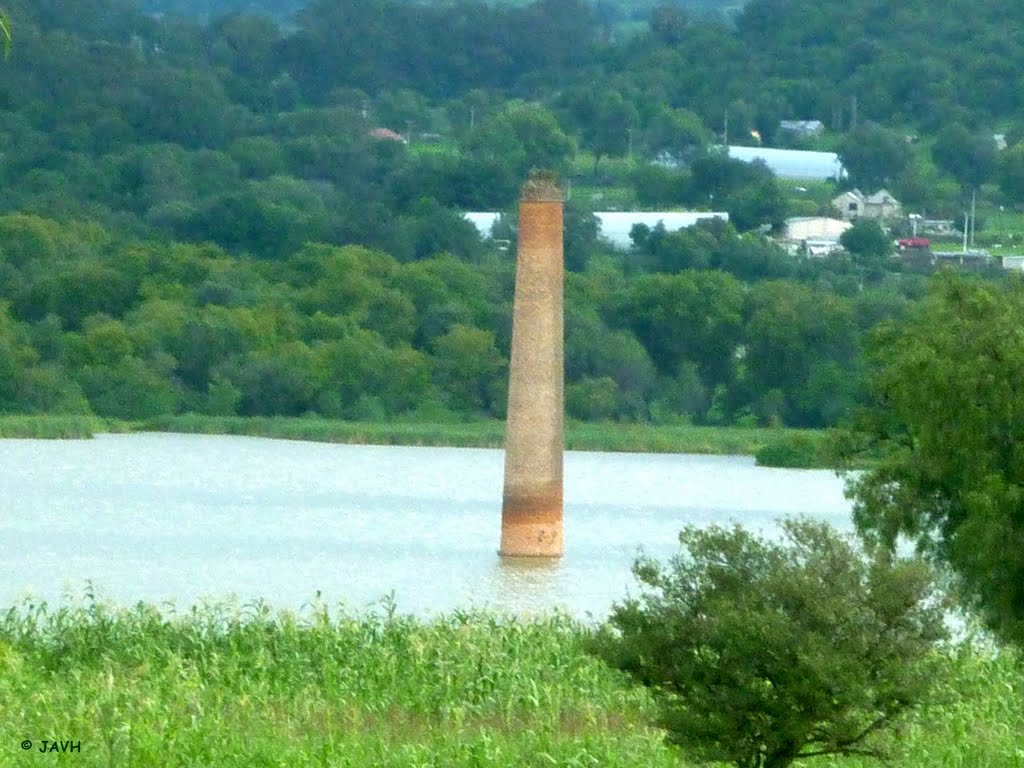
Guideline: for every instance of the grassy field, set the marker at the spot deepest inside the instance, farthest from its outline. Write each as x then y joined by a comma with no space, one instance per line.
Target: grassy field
229,685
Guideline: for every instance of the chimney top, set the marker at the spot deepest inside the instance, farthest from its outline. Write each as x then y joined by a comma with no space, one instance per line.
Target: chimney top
542,186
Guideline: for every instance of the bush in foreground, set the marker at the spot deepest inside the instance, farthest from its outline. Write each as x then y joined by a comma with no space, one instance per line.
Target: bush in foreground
763,652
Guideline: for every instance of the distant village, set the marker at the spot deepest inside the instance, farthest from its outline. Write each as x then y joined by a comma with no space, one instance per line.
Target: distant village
812,236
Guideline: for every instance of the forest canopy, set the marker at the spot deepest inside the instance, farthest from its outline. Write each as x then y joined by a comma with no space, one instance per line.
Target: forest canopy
261,212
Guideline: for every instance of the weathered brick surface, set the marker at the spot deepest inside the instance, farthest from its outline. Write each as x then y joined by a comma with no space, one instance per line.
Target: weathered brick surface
531,519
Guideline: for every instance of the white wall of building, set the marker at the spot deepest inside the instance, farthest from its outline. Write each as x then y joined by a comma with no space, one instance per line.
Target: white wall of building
615,225
793,163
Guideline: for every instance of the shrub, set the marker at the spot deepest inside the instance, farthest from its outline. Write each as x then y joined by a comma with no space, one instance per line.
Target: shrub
762,652
799,450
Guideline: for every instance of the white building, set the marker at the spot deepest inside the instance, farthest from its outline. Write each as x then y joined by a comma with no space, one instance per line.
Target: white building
615,225
802,128
793,163
816,236
484,221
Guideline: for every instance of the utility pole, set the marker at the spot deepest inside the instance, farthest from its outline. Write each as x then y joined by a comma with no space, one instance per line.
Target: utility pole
974,196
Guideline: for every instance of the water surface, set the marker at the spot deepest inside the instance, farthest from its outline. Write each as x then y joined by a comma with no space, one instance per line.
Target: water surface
163,517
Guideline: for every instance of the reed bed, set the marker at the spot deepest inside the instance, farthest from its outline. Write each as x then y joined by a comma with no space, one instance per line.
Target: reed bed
579,436
649,438
223,684
57,427
482,434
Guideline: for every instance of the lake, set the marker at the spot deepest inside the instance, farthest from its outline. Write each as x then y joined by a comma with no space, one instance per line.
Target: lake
181,518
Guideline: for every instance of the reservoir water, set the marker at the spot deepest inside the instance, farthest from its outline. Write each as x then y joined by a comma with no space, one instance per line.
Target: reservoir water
182,518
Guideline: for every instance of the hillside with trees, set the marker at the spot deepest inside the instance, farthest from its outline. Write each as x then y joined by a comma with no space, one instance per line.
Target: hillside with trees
206,217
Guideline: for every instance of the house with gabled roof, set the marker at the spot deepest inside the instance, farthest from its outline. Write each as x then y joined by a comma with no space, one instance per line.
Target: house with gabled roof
854,204
802,128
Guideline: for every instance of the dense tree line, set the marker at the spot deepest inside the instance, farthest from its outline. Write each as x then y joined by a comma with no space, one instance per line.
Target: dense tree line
201,217
95,321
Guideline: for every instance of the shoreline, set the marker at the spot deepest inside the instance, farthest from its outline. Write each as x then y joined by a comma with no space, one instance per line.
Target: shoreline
771,446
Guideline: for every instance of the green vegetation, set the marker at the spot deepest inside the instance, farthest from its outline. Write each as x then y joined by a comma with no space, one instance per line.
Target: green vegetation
814,445
947,410
236,686
478,434
133,330
202,218
734,441
5,32
218,229
761,653
803,450
227,686
58,427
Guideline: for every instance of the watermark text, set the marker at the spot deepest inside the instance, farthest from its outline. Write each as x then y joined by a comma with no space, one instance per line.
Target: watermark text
52,745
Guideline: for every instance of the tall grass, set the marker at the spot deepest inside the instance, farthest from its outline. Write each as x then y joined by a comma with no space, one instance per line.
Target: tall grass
771,446
56,426
579,436
483,434
978,721
648,438
224,684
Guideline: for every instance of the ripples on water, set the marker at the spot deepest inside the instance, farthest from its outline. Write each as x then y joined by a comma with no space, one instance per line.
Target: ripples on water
160,517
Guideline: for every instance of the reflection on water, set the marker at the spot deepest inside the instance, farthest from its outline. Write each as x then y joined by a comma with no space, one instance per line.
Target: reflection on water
511,578
159,517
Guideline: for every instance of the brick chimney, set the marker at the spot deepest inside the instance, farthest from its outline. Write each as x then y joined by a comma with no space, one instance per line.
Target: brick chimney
531,512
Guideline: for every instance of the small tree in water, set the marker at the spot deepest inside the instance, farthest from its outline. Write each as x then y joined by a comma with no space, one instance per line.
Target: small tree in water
762,652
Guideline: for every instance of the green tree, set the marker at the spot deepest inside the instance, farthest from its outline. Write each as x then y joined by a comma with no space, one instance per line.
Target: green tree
748,191
522,136
131,389
694,316
867,240
1011,173
968,156
796,340
603,119
26,237
283,381
668,24
470,369
26,383
763,652
364,378
946,402
677,132
592,398
874,156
